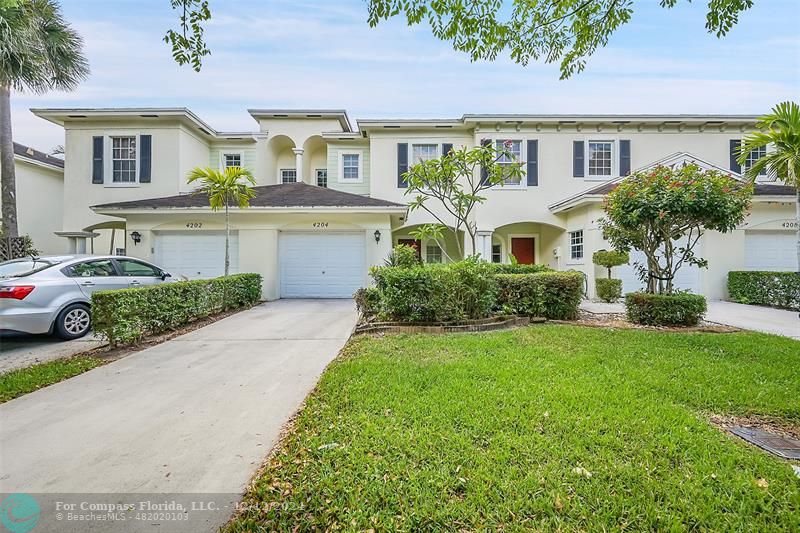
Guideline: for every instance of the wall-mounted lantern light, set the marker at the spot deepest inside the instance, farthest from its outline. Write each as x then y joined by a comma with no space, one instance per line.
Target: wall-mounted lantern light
136,237
377,236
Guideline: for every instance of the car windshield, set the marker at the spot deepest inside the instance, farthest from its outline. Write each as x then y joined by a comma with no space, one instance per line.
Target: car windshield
24,267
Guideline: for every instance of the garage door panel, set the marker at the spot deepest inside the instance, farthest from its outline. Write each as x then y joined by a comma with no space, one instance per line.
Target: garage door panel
196,255
774,251
687,277
329,265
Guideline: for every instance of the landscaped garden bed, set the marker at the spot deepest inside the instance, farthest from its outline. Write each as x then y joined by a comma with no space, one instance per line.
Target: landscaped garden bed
554,427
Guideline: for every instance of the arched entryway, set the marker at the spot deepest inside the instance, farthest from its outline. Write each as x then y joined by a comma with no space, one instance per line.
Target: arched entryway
526,243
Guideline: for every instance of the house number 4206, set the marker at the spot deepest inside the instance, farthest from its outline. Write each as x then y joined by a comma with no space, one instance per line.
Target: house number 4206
320,224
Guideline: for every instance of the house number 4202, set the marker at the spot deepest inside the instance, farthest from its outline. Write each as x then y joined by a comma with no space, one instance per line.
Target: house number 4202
194,225
320,224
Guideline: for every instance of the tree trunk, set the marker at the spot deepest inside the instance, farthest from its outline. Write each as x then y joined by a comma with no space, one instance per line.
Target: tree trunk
227,240
8,195
797,216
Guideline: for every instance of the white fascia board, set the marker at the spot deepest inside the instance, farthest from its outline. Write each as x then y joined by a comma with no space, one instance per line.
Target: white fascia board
118,211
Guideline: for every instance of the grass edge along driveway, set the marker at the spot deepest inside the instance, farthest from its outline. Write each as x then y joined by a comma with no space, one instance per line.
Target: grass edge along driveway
547,427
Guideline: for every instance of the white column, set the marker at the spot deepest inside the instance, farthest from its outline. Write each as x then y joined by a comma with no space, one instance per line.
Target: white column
484,245
298,157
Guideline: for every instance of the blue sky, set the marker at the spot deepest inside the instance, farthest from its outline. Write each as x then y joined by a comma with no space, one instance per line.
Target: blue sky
322,53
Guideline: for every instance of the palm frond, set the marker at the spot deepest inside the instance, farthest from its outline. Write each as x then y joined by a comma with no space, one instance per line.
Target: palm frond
231,187
780,135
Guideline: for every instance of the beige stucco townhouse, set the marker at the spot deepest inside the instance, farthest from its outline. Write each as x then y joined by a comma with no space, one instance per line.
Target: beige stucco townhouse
40,198
331,200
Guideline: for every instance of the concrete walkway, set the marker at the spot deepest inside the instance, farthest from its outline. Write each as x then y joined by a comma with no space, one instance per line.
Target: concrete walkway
20,351
752,317
196,414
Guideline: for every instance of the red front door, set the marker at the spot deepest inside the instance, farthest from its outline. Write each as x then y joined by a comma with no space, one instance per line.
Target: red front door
522,249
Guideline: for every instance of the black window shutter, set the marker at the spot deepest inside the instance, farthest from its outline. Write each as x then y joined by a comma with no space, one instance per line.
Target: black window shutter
533,163
577,159
735,166
624,158
446,148
484,170
145,147
402,164
97,159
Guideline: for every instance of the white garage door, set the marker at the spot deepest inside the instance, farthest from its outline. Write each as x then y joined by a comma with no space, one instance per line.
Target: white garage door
196,255
321,265
771,250
687,277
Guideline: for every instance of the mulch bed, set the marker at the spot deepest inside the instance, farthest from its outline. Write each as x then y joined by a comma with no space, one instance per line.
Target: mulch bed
466,326
619,321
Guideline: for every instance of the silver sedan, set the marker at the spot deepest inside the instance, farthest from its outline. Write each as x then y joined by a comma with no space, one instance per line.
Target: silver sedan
53,294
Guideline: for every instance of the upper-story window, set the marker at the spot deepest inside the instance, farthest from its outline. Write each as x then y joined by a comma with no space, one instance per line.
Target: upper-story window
123,159
350,169
754,156
231,160
600,160
423,152
514,147
576,245
288,175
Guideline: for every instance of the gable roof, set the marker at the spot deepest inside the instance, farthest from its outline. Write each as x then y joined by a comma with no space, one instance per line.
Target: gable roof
676,160
31,155
282,196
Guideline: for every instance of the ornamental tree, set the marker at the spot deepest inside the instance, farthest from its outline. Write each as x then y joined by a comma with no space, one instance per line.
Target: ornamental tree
664,211
610,258
455,182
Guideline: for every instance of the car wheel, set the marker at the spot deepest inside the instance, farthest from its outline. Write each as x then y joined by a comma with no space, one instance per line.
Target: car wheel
73,322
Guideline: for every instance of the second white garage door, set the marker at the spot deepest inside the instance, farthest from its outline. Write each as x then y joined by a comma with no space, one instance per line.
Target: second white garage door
687,277
774,251
321,265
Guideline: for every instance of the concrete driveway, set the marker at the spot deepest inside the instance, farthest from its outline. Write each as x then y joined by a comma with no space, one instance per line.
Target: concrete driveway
196,414
756,318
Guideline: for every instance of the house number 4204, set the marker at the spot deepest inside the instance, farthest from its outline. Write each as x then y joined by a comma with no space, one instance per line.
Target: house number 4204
320,224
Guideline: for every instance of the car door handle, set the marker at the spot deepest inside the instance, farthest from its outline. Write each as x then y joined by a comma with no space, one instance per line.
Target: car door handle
134,282
87,283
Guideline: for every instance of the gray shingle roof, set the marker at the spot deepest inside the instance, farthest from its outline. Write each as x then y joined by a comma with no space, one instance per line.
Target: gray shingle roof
30,153
283,195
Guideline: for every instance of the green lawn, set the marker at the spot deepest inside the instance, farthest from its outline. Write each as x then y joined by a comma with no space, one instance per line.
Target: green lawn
549,427
24,380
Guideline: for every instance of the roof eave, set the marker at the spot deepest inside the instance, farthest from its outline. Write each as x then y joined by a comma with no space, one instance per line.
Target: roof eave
572,203
38,163
116,211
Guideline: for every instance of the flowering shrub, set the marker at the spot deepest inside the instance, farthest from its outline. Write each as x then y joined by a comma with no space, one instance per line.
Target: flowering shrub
653,210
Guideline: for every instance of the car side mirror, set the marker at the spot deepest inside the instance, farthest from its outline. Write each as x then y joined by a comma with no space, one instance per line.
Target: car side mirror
165,275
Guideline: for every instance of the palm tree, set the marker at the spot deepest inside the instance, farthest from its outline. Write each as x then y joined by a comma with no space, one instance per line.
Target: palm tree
233,186
39,52
779,130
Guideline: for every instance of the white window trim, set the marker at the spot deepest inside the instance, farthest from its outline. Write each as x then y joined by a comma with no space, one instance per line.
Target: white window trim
503,255
569,258
411,145
431,242
280,174
340,178
523,150
108,164
223,153
614,158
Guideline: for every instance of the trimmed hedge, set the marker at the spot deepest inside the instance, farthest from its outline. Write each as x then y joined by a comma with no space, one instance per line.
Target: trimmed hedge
775,289
554,295
126,316
682,309
435,293
609,289
503,268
